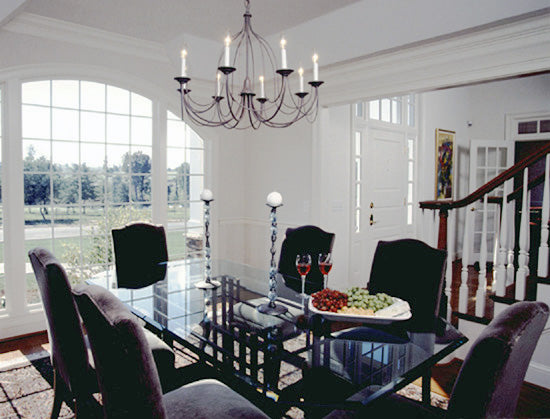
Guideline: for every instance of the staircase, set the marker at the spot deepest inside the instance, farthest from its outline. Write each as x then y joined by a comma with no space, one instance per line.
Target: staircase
519,269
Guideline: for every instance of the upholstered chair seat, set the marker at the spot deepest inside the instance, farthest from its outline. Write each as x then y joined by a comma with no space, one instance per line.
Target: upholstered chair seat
128,377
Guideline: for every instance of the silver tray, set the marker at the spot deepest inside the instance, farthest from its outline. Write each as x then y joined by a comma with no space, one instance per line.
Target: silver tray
345,317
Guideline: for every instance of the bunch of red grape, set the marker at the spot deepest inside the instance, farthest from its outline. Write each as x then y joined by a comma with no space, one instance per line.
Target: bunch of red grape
329,300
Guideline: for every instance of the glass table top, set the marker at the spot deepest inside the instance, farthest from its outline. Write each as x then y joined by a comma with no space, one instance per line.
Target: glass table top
296,356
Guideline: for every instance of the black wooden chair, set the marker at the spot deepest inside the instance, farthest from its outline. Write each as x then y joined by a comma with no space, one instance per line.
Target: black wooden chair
413,271
127,375
74,373
305,239
141,254
491,376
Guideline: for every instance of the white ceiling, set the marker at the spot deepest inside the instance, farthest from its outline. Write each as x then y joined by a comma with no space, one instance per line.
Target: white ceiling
165,20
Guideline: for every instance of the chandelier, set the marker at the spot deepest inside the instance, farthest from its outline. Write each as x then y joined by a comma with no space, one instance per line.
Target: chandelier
240,100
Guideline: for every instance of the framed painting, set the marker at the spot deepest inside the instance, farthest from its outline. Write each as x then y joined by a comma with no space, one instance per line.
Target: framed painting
445,164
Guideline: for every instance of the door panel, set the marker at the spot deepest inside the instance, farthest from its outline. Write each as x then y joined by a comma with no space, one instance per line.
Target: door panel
384,191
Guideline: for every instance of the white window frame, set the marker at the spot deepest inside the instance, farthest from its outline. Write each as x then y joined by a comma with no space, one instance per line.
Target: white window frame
19,318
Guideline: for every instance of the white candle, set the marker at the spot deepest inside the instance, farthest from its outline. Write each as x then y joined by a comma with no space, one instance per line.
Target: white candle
283,53
262,91
219,89
183,63
274,199
301,73
227,51
315,68
206,195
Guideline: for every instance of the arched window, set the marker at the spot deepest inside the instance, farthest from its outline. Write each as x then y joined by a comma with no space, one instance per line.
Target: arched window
87,167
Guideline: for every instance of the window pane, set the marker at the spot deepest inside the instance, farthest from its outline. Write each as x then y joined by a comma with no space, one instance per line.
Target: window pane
141,105
411,177
92,156
176,134
142,130
92,96
36,93
118,100
374,109
385,110
36,155
65,94
64,153
36,122
410,143
115,157
65,124
92,126
118,129
196,186
358,144
396,111
196,161
359,109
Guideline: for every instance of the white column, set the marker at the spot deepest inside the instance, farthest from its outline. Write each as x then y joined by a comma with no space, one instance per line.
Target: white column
466,246
482,277
13,202
158,166
500,272
523,258
542,270
511,236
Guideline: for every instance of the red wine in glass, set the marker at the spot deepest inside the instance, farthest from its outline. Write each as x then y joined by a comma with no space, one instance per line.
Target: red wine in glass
325,265
303,268
303,265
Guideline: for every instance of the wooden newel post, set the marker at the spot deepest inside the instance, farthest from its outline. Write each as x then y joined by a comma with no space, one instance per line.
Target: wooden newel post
442,236
442,244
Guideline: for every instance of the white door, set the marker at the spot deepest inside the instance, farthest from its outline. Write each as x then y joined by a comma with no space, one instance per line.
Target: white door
488,159
383,191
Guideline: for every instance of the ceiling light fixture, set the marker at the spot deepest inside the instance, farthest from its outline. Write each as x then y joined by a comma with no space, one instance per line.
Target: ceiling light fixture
238,102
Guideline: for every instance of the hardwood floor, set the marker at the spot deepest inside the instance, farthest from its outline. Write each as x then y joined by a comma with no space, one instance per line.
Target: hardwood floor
534,401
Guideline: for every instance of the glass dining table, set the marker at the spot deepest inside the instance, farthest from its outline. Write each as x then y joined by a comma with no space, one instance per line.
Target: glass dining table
296,358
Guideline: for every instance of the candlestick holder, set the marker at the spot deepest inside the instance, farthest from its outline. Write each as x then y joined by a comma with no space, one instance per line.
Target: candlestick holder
208,283
272,307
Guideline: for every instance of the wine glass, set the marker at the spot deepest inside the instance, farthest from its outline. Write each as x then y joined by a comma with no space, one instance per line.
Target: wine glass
303,265
325,265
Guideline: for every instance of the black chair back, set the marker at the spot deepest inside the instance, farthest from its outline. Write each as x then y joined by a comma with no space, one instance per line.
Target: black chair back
69,353
413,271
491,376
305,239
140,254
127,376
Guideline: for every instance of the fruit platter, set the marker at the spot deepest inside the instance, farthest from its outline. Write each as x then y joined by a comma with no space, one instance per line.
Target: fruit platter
358,305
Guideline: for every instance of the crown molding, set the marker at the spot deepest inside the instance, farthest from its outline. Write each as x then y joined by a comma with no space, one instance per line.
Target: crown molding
492,52
60,30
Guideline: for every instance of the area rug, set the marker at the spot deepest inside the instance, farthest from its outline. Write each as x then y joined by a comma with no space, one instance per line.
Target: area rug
26,388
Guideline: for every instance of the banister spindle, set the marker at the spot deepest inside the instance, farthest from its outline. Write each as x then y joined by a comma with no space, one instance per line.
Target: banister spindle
482,276
500,273
466,246
542,270
523,258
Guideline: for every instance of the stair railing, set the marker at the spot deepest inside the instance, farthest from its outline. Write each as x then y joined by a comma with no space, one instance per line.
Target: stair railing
504,263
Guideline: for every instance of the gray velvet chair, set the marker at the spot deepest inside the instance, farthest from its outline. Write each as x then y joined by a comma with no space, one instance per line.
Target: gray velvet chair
128,377
140,254
74,373
491,376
